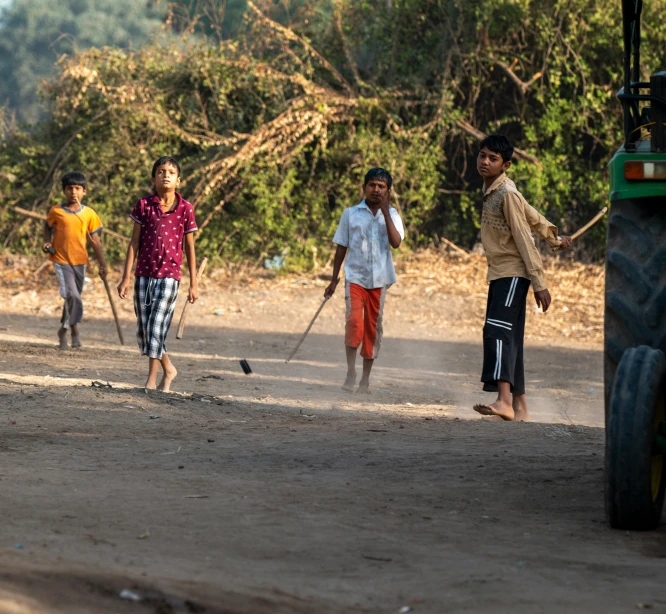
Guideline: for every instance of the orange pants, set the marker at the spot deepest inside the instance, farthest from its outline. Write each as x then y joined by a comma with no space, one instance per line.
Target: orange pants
364,318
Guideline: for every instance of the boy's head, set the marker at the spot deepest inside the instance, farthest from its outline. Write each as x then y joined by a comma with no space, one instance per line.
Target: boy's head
74,186
495,155
166,173
376,185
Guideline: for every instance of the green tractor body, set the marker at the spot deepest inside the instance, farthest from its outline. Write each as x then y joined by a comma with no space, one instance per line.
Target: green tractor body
635,306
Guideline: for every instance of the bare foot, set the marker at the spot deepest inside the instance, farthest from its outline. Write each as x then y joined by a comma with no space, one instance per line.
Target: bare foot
498,408
520,408
150,385
364,386
167,378
350,382
62,335
76,341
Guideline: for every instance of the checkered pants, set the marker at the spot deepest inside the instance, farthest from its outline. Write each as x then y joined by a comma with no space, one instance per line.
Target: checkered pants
154,304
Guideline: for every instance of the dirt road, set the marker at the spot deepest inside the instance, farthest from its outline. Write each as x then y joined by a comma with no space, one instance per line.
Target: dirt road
277,492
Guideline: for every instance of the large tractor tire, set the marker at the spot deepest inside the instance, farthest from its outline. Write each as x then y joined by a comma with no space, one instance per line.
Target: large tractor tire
635,281
635,468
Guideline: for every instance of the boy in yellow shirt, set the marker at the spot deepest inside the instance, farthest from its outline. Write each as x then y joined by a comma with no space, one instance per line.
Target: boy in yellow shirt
67,228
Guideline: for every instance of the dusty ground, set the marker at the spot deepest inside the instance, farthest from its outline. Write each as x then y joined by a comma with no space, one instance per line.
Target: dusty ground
277,492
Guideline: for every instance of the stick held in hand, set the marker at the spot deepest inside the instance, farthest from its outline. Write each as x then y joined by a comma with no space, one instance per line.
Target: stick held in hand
307,330
183,316
115,313
587,226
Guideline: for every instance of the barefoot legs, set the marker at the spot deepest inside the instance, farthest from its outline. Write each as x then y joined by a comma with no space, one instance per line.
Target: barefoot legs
503,406
169,373
350,381
62,336
76,340
520,408
364,384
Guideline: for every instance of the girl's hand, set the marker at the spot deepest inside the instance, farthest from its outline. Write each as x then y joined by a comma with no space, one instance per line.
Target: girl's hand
123,287
193,293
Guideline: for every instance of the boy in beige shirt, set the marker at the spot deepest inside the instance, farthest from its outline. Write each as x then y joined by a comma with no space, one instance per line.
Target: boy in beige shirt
514,263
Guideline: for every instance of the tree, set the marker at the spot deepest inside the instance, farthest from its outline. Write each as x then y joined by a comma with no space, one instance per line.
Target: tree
34,34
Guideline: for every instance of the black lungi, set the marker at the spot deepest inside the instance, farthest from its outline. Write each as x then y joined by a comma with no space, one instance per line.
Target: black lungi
503,334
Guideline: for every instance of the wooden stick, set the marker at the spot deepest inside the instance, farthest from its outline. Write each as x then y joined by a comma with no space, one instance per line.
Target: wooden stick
40,216
115,313
183,316
587,226
307,330
453,246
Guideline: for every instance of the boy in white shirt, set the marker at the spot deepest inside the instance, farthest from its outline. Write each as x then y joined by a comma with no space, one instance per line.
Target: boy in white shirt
366,234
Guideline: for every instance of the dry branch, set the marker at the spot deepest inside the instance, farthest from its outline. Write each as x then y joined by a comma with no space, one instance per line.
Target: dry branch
523,86
477,134
292,36
40,216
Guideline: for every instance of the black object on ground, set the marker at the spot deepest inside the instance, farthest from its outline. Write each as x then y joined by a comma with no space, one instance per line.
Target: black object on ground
245,366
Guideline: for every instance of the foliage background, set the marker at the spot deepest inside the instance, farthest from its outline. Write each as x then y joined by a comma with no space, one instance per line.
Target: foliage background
276,111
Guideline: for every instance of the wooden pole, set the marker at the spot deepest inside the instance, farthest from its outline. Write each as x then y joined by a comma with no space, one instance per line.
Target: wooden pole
307,330
115,313
587,226
183,316
40,216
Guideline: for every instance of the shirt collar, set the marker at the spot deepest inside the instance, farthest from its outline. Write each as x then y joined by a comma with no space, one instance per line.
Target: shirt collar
364,205
66,210
496,184
155,199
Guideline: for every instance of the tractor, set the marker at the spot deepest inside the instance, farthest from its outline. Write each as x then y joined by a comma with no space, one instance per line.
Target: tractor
635,298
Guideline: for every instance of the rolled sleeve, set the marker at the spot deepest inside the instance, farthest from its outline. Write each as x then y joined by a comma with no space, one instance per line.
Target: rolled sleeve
515,215
341,236
397,222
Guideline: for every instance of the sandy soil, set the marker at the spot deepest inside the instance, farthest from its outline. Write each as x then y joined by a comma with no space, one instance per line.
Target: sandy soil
277,492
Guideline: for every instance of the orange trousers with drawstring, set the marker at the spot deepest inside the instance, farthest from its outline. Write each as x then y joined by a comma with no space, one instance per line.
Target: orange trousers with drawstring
364,327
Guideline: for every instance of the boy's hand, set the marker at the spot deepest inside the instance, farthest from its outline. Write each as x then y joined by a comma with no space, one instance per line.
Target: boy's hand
193,293
103,271
123,288
47,248
385,202
328,293
543,300
565,243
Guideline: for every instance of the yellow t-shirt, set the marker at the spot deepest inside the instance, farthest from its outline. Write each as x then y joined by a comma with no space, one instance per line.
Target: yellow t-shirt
71,233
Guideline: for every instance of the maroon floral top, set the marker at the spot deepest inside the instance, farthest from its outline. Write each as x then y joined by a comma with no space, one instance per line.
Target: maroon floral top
161,243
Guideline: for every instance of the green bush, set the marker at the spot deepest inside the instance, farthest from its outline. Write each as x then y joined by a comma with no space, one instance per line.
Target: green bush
276,126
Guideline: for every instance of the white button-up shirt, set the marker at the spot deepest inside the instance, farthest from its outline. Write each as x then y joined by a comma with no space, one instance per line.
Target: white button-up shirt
368,262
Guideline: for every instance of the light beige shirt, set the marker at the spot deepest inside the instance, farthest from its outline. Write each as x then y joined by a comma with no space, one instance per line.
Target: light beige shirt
507,223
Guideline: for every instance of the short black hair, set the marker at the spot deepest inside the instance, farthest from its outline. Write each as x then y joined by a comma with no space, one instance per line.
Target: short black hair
499,144
165,160
74,178
380,174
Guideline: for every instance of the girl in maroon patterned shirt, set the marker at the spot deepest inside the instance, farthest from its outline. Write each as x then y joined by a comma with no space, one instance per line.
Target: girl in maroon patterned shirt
163,223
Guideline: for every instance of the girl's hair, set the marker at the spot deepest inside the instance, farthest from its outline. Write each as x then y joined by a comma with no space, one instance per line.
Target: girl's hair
165,160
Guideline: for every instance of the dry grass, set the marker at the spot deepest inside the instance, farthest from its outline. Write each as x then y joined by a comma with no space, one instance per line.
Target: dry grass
437,288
